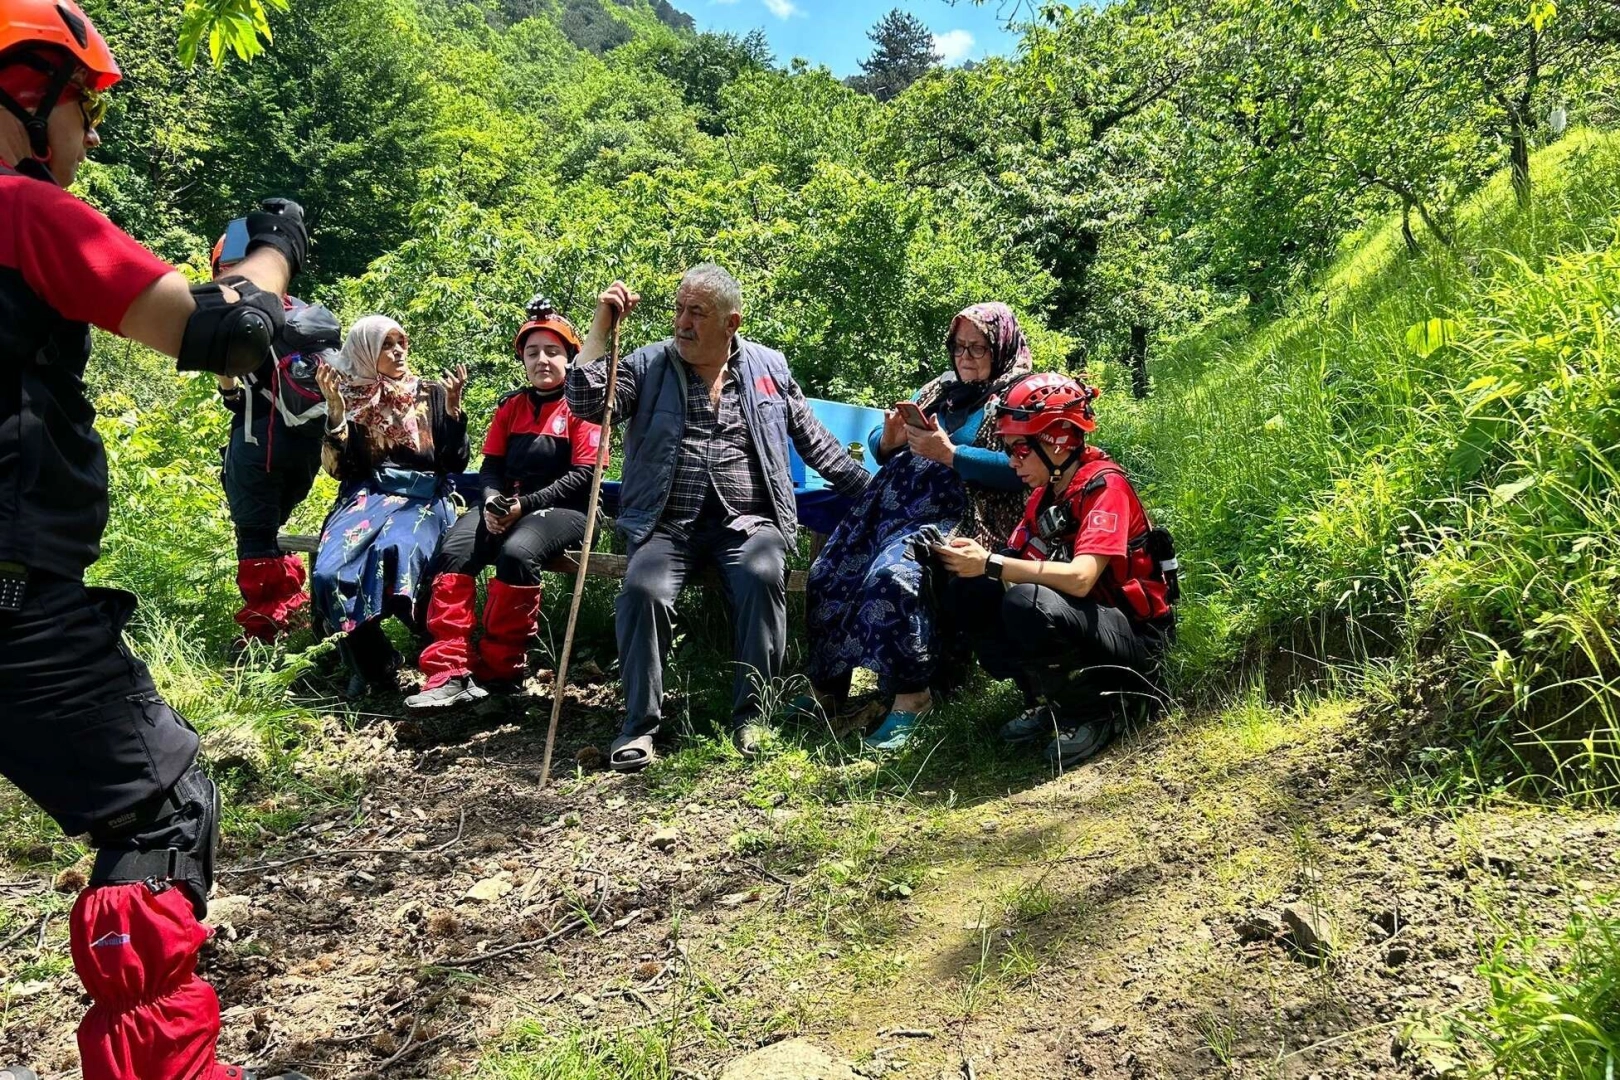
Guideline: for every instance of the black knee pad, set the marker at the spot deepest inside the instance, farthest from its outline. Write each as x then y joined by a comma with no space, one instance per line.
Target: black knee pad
232,329
171,840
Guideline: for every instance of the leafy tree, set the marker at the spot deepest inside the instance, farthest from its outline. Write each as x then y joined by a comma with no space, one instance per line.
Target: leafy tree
903,52
591,27
237,25
703,65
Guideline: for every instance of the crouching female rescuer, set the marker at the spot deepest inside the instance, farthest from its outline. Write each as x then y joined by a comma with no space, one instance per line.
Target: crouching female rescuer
536,480
1076,608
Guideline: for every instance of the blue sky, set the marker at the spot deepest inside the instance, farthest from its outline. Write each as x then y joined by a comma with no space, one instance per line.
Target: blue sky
833,32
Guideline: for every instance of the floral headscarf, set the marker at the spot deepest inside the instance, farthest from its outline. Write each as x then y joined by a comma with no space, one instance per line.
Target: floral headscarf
992,515
392,411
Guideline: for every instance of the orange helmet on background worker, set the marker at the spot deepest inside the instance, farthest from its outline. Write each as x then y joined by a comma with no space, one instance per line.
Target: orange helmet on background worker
542,316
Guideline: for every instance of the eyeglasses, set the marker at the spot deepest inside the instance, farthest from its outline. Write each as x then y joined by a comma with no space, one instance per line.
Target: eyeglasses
92,106
977,350
1018,451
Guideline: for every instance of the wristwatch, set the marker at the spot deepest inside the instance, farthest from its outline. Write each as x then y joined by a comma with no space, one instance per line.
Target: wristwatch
992,567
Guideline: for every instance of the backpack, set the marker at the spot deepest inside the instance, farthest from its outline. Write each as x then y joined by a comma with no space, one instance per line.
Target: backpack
310,335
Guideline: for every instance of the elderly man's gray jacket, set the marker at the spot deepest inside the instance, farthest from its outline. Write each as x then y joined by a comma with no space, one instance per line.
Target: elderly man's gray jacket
650,399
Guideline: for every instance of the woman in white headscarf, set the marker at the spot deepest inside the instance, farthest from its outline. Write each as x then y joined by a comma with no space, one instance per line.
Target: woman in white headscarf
391,441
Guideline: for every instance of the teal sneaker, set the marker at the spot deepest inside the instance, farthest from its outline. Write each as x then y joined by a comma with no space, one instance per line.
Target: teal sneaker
895,731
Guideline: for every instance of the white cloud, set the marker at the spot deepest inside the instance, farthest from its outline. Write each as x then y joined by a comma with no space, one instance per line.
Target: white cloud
953,46
783,9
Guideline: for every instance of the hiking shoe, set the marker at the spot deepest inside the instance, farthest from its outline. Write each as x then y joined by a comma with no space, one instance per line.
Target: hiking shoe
747,738
1079,743
456,690
1032,724
17,1072
236,1072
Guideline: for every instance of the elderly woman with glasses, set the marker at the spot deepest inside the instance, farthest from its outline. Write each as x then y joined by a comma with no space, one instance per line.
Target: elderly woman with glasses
944,470
392,438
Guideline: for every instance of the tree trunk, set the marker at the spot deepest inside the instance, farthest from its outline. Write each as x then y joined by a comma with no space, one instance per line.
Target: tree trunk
1519,156
1138,361
1412,247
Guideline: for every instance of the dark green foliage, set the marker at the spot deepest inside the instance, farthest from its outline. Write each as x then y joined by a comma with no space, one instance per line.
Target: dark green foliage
672,16
590,27
902,53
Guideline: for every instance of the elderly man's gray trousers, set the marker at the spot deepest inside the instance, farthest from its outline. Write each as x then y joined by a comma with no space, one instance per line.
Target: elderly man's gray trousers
753,573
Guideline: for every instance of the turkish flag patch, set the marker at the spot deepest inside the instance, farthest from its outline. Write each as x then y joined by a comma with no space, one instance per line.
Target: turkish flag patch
1102,521
765,385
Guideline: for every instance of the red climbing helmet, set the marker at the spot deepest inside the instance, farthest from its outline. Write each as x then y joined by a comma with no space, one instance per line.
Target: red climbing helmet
542,316
1048,406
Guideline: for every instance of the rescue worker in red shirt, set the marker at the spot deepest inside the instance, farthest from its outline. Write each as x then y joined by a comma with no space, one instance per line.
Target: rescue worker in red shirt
85,733
536,479
1077,608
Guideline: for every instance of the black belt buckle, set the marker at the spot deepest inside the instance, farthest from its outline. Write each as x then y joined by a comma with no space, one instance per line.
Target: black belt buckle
13,586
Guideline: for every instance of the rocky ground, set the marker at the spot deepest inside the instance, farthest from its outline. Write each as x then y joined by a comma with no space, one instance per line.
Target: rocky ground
1241,895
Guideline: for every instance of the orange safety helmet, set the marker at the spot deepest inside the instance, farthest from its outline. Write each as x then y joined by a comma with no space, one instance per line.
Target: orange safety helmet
542,316
30,31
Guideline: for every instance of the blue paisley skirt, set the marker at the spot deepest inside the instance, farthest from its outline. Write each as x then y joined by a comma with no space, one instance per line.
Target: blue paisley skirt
376,546
865,605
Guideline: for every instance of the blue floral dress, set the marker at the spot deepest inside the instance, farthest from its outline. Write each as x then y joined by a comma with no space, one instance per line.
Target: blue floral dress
390,514
375,550
866,606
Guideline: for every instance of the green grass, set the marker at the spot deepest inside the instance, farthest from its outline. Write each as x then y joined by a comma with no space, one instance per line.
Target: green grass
1552,1009
1417,463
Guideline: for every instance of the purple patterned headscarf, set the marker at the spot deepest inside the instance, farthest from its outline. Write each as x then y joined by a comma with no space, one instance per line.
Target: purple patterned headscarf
992,514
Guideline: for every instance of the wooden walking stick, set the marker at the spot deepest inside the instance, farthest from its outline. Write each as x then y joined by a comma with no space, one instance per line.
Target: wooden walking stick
560,683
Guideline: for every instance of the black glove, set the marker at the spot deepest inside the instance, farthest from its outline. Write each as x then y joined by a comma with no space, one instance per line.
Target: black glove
279,223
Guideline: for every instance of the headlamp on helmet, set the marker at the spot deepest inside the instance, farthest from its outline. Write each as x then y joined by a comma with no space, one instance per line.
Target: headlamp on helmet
543,316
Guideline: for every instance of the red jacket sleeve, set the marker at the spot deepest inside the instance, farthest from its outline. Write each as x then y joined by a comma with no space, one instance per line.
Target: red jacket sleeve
500,426
1105,520
81,264
584,438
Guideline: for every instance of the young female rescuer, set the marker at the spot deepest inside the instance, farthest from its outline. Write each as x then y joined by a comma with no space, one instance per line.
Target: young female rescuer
1076,608
536,479
85,733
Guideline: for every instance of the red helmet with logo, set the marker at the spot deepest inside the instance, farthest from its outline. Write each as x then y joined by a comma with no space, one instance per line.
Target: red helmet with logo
1048,406
32,34
542,316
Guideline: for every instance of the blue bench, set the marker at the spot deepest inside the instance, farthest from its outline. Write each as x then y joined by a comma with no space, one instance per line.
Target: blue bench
820,507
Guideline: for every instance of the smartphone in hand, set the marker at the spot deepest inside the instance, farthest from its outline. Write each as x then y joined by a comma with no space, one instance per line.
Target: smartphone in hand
913,416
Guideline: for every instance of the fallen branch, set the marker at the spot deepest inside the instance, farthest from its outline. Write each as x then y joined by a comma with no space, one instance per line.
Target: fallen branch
19,935
341,853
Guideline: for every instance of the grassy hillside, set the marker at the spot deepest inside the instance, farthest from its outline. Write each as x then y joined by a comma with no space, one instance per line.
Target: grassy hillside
1415,466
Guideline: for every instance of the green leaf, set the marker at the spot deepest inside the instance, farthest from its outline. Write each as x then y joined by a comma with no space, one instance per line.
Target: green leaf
1426,338
1513,489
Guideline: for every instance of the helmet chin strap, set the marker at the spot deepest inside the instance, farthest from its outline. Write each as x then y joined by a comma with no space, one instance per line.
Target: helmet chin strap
1053,467
37,124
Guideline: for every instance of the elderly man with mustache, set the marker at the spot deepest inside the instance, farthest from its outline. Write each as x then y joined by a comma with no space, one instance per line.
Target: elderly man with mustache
708,415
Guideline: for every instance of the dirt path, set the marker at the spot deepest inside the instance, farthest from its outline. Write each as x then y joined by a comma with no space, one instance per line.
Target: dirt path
1119,921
